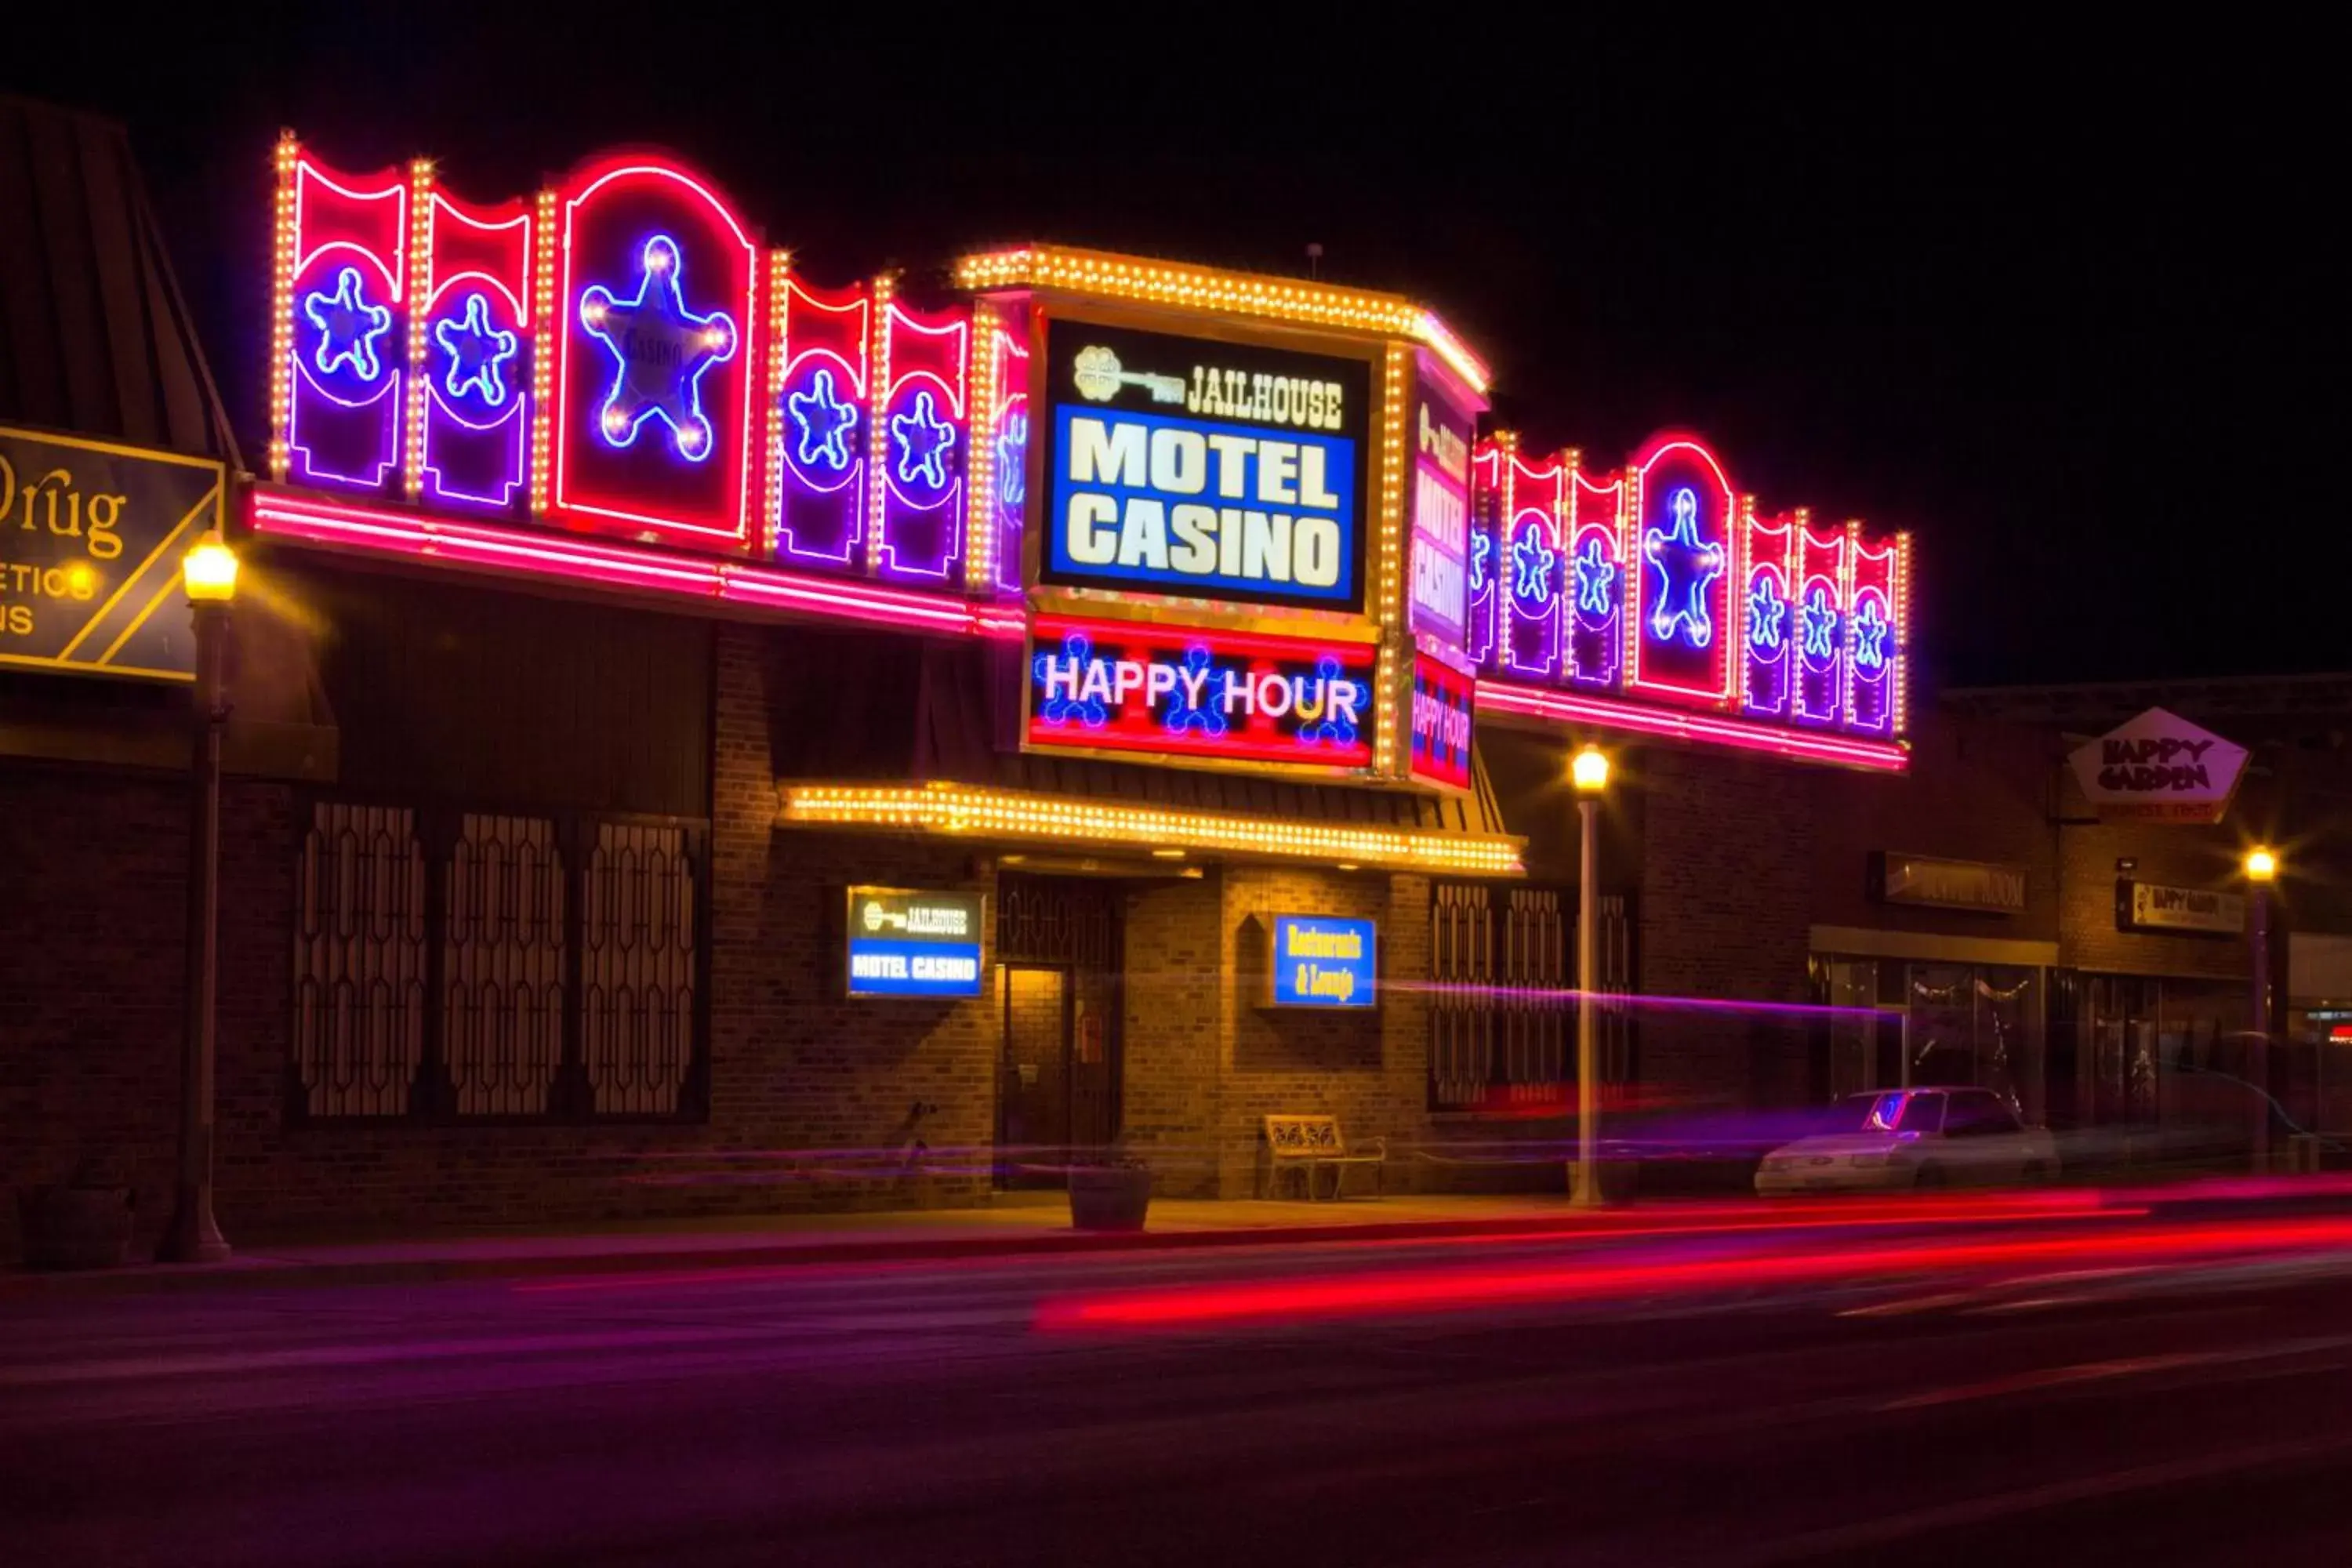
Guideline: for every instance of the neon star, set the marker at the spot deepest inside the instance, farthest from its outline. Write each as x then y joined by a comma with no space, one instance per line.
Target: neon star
925,440
1767,610
660,353
347,326
1817,624
1686,564
1870,629
1594,577
475,350
1012,446
826,421
1532,560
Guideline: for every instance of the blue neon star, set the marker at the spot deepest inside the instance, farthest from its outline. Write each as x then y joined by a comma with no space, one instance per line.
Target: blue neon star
1685,565
826,421
475,350
1183,715
1012,449
347,326
1817,624
1330,726
1594,577
1870,629
925,440
1766,612
1532,559
660,351
1482,553
1078,649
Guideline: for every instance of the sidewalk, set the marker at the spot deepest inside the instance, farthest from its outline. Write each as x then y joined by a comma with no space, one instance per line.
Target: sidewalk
1015,1224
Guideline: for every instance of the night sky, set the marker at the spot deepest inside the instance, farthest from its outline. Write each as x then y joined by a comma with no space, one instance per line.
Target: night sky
2063,305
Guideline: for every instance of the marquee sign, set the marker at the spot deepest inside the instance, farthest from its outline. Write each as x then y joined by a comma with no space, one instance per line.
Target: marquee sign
1191,693
1661,583
90,539
1204,468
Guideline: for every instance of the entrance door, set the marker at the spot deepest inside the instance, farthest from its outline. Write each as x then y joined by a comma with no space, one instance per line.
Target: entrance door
1058,947
1034,1119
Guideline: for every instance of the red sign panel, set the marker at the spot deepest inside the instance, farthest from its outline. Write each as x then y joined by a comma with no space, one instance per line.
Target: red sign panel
1188,691
1442,704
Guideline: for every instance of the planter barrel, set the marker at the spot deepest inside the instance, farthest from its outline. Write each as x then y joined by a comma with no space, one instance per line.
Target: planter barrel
1108,1197
75,1227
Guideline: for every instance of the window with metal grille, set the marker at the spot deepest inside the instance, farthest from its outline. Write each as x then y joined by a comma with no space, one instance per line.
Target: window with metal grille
638,969
1502,1011
562,956
359,961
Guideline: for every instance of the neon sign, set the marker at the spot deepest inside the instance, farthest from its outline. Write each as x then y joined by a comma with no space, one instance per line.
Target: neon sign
1222,471
342,295
1443,427
472,396
1195,692
1680,509
821,393
917,450
1595,643
1442,723
652,319
660,353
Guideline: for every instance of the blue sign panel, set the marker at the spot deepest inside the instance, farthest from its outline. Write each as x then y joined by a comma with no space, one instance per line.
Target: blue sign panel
914,944
1209,469
1323,962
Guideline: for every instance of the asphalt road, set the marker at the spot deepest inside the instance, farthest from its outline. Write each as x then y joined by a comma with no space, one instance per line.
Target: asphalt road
2077,1392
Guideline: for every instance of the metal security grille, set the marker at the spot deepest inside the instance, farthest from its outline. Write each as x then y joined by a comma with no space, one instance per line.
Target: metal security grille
359,961
1057,919
638,969
502,964
454,963
1503,1005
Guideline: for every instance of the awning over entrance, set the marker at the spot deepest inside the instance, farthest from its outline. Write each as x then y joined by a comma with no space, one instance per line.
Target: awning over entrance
950,768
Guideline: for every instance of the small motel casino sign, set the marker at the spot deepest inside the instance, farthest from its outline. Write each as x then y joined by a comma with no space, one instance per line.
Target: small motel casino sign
1232,521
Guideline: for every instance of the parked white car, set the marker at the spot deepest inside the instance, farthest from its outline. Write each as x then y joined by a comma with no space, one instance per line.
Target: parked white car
1912,1138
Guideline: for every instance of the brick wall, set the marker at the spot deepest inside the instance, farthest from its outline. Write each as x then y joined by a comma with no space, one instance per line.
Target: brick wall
1726,878
1176,998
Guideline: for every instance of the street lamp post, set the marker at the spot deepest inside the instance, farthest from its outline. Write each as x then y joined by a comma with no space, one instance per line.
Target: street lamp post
2262,871
208,571
1590,774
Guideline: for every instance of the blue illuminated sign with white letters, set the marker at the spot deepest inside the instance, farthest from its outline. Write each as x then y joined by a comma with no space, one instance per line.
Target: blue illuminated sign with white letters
1209,469
914,944
1322,961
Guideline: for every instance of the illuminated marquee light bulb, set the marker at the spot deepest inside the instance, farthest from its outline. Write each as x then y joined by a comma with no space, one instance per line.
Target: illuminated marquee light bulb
877,455
661,351
543,359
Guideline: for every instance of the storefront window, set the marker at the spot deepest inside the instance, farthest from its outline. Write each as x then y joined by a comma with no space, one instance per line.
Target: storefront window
1901,1025
2146,1033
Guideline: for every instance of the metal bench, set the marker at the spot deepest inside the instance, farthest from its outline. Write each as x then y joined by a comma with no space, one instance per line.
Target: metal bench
1310,1143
